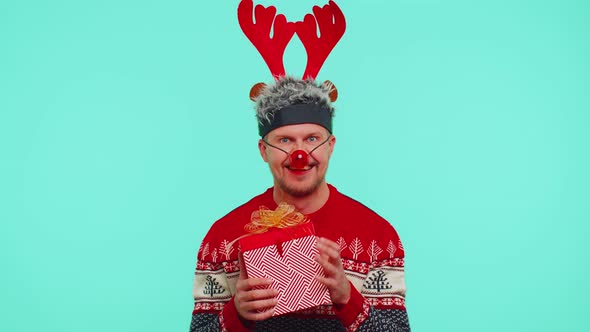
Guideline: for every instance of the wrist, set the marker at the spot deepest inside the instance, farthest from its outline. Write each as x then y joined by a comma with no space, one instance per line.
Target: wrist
344,298
349,311
245,322
232,321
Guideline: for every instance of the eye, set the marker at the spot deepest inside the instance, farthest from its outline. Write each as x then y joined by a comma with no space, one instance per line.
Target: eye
312,139
284,140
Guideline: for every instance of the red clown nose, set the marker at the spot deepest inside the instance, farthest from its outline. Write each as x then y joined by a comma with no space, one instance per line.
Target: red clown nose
298,159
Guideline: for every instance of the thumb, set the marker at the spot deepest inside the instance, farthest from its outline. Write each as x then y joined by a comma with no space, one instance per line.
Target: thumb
243,274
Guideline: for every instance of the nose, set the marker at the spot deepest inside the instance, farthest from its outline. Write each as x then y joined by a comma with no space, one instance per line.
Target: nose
299,159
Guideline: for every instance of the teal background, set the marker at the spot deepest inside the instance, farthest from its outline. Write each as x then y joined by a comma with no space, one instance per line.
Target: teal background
125,131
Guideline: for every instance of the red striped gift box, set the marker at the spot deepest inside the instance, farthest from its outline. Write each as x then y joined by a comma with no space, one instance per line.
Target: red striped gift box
287,257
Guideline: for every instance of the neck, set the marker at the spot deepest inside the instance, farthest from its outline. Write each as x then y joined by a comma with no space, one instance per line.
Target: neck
306,204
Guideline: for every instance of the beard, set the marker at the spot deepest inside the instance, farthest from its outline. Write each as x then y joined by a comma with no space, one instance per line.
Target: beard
299,190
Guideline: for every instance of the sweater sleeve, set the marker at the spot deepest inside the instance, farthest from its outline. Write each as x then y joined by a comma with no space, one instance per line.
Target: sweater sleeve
377,301
224,320
359,315
213,290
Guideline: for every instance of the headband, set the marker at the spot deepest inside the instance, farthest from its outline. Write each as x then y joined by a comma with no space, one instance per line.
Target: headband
297,114
331,23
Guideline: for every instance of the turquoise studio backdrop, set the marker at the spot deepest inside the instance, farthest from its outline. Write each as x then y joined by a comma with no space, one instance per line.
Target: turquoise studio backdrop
126,130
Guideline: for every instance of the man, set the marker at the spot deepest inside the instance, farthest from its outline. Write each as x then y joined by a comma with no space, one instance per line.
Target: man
360,252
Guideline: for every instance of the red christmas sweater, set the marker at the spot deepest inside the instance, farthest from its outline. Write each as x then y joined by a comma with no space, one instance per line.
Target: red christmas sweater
372,257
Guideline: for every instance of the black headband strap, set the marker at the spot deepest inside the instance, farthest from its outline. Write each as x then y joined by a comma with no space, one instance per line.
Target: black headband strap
288,153
297,114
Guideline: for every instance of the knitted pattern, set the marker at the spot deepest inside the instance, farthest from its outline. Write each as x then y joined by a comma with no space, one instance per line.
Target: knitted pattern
372,257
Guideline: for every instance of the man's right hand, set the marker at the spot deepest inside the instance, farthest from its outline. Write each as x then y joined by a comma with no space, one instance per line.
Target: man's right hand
254,300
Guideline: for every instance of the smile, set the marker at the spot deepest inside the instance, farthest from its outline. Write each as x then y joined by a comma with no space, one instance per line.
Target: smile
299,170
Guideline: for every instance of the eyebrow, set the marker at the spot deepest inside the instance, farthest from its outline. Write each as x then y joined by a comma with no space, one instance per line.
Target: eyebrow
315,133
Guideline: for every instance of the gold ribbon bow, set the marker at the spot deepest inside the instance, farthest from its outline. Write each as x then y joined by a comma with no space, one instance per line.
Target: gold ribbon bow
284,216
265,219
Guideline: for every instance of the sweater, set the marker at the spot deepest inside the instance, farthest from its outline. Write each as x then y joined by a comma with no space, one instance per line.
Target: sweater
372,256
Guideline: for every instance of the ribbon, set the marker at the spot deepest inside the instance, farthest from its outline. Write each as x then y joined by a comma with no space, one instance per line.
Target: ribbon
265,219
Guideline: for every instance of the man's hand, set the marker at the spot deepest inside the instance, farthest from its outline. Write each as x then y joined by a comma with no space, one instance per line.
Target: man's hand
335,279
254,300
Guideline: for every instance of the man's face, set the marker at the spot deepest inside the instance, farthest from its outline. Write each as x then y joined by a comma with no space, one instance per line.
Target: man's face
298,182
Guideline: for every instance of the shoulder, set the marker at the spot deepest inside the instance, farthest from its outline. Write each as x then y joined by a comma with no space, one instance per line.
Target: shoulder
239,213
231,226
348,206
359,224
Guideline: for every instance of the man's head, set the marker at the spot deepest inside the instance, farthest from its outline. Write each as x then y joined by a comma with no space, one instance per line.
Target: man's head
296,115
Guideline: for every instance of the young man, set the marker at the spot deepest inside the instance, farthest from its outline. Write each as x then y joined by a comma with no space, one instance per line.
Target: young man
360,252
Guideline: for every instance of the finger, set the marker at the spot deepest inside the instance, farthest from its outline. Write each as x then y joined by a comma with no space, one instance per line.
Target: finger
248,284
258,282
329,251
256,316
242,267
330,283
329,243
260,305
330,268
258,294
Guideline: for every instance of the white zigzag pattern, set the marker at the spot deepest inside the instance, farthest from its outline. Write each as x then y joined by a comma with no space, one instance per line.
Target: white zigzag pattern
293,274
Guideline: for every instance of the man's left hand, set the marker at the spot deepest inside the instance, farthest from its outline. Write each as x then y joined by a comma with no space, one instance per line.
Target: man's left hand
335,279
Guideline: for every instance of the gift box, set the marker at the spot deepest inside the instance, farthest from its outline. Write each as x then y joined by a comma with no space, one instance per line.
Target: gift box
286,256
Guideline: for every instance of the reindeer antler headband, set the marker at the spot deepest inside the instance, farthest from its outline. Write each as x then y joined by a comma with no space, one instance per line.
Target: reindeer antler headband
331,23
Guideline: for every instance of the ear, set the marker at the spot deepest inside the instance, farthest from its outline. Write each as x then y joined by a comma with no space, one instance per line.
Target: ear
256,90
333,91
262,148
332,143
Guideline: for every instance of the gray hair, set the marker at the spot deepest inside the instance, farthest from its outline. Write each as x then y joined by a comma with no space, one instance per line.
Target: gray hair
289,91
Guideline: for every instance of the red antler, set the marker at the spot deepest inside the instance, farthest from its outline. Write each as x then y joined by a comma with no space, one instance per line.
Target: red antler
332,26
271,49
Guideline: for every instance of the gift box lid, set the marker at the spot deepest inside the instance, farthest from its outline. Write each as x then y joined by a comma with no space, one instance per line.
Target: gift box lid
275,236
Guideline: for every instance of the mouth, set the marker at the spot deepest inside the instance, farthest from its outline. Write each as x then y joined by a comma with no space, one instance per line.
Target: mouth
300,171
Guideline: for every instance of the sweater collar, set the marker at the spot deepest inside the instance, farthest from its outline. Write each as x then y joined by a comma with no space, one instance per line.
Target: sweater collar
319,214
